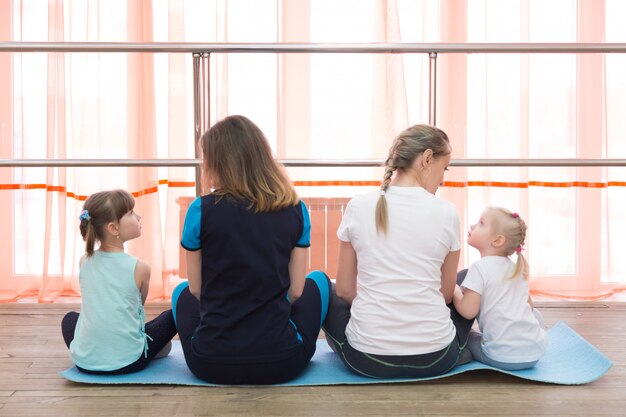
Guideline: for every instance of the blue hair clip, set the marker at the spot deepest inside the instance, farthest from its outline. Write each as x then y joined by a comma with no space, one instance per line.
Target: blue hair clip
84,215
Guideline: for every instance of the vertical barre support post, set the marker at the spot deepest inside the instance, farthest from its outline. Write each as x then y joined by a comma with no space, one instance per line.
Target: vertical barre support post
201,105
206,110
432,89
197,118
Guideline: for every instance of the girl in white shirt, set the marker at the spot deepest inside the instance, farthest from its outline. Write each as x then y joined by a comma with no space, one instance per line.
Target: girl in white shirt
495,289
398,258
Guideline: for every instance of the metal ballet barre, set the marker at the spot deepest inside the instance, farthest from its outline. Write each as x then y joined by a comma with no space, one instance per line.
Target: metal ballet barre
201,53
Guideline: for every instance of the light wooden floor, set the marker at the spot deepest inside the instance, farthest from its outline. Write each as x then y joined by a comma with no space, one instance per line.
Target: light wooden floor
32,353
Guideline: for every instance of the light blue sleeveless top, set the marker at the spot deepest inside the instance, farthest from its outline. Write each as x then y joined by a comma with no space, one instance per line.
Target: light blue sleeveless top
110,330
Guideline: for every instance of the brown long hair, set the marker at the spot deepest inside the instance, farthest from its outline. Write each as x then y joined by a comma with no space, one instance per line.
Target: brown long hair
100,209
407,146
236,153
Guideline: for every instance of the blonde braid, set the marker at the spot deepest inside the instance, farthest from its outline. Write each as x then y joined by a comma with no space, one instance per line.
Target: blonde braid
387,178
406,147
382,218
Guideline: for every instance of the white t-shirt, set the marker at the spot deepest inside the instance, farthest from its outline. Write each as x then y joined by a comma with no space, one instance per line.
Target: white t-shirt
511,333
399,309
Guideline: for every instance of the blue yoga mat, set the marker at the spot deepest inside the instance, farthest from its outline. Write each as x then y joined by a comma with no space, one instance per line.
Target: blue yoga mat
569,360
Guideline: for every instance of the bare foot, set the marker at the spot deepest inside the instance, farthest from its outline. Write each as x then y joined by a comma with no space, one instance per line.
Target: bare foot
165,351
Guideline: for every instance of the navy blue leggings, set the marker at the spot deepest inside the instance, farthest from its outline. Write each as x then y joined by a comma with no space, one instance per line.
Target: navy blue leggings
161,331
307,313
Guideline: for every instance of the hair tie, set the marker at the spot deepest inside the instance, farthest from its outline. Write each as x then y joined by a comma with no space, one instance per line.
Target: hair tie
515,215
84,215
519,249
382,193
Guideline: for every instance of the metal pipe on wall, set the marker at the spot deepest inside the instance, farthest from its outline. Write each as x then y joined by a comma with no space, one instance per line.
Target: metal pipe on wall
341,48
201,84
81,163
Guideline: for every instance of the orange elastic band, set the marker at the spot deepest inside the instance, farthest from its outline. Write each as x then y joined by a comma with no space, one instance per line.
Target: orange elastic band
333,183
70,194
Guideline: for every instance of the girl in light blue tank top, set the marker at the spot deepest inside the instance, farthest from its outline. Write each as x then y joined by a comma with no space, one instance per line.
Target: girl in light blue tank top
110,334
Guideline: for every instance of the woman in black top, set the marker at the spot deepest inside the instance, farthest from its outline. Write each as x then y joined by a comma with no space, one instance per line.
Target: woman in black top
248,315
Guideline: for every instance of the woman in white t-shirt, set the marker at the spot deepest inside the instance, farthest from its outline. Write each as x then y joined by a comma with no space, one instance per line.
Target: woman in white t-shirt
398,256
511,333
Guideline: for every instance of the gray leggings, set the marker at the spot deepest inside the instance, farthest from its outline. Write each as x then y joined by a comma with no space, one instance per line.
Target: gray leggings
392,366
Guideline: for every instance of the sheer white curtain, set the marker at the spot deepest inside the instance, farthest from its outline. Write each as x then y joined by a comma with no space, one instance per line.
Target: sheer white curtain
315,106
547,106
